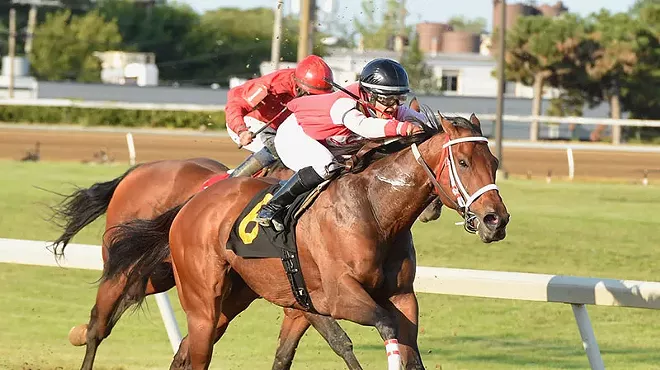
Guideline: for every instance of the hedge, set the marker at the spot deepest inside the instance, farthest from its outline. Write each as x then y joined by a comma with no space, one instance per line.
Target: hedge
112,117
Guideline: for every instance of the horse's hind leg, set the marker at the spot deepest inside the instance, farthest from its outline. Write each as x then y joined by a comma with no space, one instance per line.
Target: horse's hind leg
296,323
239,298
201,296
110,305
293,327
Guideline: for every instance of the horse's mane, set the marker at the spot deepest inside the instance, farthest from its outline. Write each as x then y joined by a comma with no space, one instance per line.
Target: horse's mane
431,127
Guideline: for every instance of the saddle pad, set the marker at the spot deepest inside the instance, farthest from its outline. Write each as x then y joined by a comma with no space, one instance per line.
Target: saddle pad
251,240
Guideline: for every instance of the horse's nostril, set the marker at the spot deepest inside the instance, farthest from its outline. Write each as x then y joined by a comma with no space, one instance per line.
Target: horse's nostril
492,220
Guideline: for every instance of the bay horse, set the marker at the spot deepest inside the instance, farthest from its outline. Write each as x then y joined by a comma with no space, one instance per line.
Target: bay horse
146,191
365,276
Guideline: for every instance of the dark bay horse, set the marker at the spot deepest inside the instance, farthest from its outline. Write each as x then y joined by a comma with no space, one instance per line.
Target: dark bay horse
365,275
146,191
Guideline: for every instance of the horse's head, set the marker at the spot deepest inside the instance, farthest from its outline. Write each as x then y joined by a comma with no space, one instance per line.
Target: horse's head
464,175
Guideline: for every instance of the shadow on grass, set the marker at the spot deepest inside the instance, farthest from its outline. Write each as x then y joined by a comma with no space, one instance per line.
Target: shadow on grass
519,353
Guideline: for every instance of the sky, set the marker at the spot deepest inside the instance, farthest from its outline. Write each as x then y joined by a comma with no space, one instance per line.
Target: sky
421,10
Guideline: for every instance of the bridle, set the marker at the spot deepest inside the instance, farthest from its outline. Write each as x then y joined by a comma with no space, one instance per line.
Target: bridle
463,197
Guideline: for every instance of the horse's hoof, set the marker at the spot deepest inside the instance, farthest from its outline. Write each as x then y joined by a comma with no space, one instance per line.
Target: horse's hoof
78,335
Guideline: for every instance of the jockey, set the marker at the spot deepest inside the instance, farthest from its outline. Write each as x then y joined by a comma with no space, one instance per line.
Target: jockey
263,100
321,125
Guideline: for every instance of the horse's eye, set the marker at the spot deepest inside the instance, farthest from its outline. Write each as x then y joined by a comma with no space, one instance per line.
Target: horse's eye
463,163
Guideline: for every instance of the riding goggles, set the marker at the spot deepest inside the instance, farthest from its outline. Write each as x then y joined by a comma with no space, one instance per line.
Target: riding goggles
391,100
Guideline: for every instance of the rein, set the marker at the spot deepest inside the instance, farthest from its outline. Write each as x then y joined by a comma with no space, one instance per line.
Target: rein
463,197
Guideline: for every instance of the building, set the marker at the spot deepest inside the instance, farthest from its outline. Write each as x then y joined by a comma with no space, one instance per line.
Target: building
124,68
25,86
517,10
462,74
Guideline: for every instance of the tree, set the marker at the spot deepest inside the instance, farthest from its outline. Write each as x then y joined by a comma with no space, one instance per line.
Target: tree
64,46
377,33
233,42
538,52
610,56
422,79
460,23
639,95
163,29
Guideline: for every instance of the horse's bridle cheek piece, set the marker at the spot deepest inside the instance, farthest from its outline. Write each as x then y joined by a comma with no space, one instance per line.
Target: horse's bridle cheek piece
463,198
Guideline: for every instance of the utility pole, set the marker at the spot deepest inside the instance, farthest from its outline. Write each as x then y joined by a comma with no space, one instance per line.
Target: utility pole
307,10
400,41
277,36
32,17
501,81
12,51
32,23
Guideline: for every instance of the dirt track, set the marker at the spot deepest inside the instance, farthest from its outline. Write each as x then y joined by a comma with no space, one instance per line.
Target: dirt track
79,146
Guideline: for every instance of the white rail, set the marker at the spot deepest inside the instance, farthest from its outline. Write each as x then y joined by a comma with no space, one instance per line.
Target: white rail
577,291
221,107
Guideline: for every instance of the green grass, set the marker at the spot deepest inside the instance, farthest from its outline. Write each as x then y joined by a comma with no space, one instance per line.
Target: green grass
599,230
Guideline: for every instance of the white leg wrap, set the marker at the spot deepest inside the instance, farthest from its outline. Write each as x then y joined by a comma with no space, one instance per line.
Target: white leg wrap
393,354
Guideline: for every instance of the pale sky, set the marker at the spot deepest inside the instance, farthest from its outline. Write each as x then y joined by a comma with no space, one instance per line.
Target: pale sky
421,10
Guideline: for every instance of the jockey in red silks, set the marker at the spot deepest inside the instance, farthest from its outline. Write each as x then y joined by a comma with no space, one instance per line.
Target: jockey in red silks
321,125
262,100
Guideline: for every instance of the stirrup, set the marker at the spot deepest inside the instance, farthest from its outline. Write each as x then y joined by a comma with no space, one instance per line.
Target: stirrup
271,218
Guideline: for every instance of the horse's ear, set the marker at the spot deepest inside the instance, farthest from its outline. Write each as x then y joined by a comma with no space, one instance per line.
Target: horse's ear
475,121
447,126
414,104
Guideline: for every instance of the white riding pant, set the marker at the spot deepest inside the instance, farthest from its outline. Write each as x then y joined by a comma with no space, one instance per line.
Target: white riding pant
297,150
253,125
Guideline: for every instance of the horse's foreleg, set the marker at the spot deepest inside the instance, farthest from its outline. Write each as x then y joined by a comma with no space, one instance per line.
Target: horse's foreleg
336,338
353,303
405,310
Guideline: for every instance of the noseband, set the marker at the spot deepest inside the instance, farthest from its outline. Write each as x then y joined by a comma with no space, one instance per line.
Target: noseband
463,198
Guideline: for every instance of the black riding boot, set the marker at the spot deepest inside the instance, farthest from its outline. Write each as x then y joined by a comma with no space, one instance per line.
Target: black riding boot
254,163
301,181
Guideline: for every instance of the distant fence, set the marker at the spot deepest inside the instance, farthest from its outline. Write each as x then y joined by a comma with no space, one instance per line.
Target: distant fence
577,291
220,107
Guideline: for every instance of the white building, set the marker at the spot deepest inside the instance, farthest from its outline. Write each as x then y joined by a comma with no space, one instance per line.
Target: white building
124,68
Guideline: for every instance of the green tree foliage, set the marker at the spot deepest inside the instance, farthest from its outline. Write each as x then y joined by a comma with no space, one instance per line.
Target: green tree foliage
162,29
233,42
64,46
377,30
538,52
460,23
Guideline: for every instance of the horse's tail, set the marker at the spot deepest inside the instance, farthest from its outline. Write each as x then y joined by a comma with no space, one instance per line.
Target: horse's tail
81,208
137,249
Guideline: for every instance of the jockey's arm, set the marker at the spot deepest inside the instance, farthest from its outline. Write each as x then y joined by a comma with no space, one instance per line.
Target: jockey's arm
236,109
344,112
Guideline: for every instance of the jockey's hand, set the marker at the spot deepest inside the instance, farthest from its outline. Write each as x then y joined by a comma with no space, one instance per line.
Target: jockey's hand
245,137
413,129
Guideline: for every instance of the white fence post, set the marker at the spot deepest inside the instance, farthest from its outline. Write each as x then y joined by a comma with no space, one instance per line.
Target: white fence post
571,163
131,148
588,337
171,326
